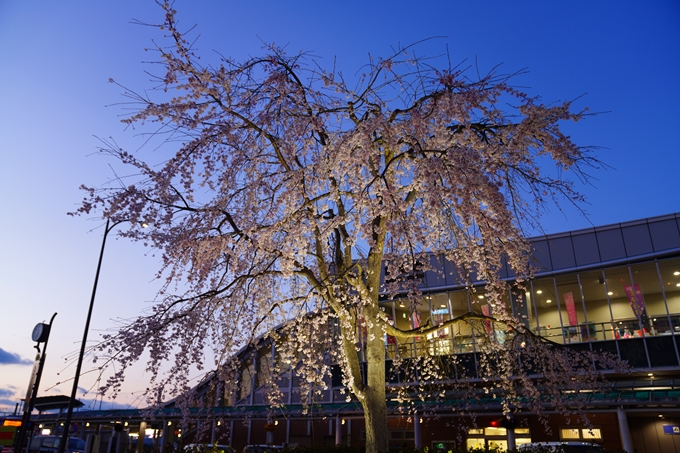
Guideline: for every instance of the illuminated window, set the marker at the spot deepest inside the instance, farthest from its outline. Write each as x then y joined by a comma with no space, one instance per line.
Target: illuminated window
475,442
593,433
475,431
581,433
570,433
521,431
491,431
522,440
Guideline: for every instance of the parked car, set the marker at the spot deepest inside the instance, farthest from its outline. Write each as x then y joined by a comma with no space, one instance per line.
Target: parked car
262,449
50,444
560,447
208,448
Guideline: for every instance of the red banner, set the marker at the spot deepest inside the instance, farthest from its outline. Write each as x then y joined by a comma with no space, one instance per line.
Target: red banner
486,311
571,309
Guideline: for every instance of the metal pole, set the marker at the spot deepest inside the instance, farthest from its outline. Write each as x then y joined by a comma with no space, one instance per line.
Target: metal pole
69,413
34,392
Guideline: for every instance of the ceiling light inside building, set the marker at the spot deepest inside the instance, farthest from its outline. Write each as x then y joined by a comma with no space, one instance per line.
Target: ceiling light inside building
443,305
482,297
548,301
539,292
610,293
676,273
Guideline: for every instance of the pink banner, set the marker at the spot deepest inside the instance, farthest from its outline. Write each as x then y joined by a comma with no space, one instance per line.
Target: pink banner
636,299
486,311
571,308
415,321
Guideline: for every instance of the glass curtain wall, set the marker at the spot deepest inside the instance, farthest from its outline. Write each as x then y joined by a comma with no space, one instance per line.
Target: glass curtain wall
616,303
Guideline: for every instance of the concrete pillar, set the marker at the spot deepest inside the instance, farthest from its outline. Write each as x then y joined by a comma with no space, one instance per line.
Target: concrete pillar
165,436
122,442
338,430
88,443
349,432
141,437
626,441
416,431
287,431
95,444
511,439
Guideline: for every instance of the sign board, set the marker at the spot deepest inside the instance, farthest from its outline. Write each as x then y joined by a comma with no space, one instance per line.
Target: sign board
671,429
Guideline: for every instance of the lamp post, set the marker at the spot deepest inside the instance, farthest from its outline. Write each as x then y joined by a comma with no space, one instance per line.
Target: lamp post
41,333
69,413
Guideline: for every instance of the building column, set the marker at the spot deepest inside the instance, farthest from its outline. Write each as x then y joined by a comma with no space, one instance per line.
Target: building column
626,441
141,436
287,431
165,435
338,431
512,445
349,432
416,431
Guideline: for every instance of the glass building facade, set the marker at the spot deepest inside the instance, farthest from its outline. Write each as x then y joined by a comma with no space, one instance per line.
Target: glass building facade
613,288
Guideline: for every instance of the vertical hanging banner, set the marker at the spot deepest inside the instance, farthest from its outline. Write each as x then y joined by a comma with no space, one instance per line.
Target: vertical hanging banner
571,308
486,311
389,339
415,321
636,299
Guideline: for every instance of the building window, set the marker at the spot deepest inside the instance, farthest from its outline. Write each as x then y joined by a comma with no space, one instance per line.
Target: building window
581,433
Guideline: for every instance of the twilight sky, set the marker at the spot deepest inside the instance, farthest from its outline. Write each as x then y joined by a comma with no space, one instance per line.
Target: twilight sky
621,56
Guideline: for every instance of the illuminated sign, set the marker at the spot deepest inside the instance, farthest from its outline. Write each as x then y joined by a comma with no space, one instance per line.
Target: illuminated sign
671,429
16,423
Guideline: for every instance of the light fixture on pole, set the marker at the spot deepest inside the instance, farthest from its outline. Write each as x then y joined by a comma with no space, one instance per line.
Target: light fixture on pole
41,333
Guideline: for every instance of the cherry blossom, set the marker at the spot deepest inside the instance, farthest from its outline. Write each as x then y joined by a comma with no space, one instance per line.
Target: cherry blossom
283,194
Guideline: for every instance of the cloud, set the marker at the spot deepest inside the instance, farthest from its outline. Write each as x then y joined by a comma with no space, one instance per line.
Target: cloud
7,399
9,358
4,393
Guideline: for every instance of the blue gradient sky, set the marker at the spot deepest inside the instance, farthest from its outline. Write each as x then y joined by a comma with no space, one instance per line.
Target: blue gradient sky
56,59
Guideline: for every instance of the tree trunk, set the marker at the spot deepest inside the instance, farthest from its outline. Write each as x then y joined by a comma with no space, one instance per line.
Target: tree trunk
373,403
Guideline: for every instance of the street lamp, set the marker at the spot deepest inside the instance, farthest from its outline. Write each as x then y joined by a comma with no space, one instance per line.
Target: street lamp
69,413
41,333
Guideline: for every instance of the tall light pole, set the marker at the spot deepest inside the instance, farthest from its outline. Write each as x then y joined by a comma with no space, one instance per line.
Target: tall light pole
69,413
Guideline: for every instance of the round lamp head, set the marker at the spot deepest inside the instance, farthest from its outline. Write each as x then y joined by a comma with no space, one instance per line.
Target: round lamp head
41,332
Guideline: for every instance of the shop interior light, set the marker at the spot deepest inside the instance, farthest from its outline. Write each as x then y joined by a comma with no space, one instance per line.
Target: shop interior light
539,292
610,293
548,301
676,273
